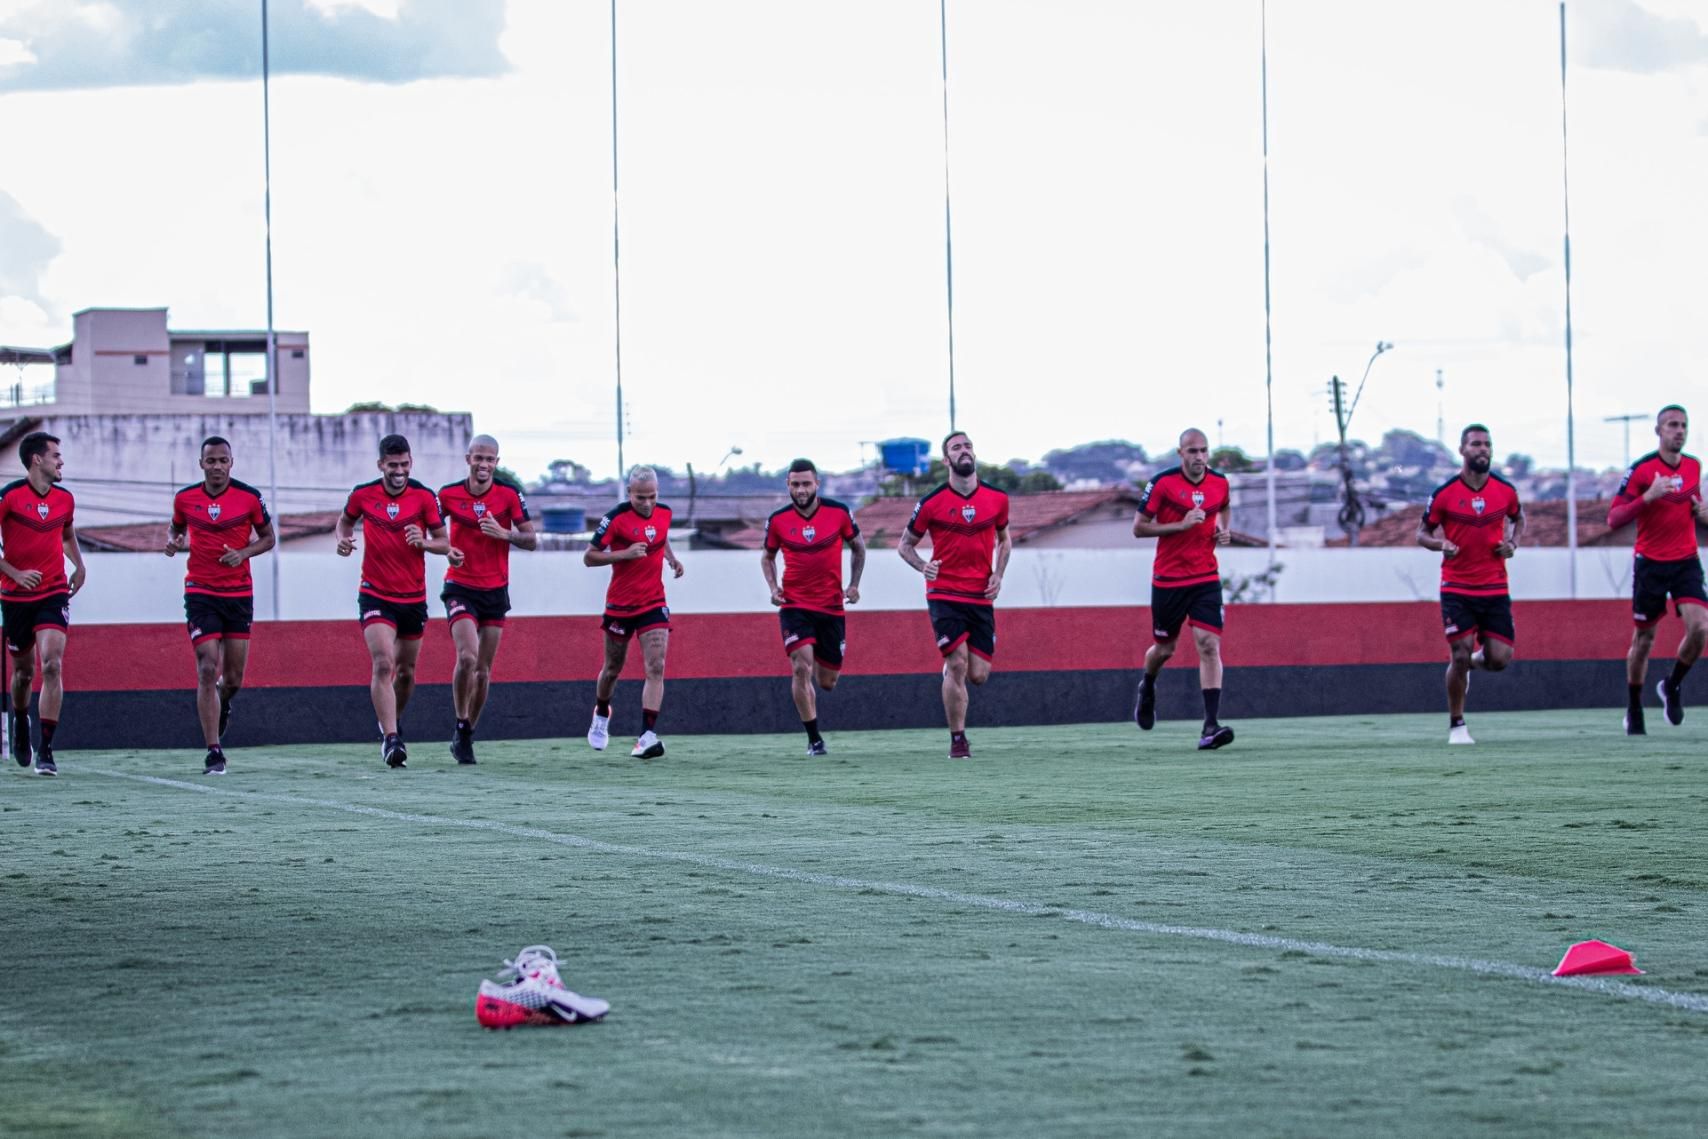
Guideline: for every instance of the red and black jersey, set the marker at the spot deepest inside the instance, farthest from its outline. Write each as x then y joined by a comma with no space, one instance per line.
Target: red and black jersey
1666,530
1189,557
812,553
1475,521
636,586
214,522
32,537
963,535
486,561
392,569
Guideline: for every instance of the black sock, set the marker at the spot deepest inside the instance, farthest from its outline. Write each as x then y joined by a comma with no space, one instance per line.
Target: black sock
465,727
1455,721
1634,695
1147,680
602,708
214,749
225,698
392,738
1212,706
1679,668
47,732
649,719
812,730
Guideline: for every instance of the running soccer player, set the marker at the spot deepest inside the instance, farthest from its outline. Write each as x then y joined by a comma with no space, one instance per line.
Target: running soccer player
1476,523
1663,492
401,522
812,530
487,516
223,523
967,520
1185,508
634,540
36,540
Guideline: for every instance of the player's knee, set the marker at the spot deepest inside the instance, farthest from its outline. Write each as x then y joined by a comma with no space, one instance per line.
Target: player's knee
655,669
384,670
468,660
1496,663
207,672
51,668
802,668
827,680
1162,650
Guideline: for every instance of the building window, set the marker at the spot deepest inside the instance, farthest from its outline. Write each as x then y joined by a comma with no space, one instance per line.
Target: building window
296,353
139,358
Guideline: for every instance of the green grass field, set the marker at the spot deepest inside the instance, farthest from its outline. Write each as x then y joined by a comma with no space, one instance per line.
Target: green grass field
1049,940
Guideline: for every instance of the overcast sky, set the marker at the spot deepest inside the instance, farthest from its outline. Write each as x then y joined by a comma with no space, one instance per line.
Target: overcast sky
442,211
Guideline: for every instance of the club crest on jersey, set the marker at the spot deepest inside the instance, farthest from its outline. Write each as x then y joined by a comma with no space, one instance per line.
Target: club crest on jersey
213,511
968,513
479,509
1478,504
1677,482
41,511
810,533
651,532
1198,498
391,511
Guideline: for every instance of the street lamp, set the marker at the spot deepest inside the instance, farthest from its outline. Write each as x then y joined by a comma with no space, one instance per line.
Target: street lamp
1352,511
693,484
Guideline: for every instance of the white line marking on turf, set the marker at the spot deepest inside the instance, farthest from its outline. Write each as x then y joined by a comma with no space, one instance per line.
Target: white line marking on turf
1624,990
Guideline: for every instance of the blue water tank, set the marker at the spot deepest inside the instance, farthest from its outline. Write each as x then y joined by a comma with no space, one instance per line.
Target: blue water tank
905,456
563,519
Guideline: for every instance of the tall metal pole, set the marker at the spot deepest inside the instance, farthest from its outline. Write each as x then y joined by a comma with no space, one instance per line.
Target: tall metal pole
948,218
272,338
1268,337
1571,423
616,248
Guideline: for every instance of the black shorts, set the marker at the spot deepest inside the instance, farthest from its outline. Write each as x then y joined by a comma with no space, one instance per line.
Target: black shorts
623,628
1651,581
827,633
409,618
21,619
485,607
209,617
955,622
1490,618
1198,605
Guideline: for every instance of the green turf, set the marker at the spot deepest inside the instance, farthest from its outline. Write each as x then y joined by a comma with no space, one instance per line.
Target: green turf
262,960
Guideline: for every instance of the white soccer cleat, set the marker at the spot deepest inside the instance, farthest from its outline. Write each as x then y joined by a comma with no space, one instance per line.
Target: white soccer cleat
649,746
529,992
600,733
1460,735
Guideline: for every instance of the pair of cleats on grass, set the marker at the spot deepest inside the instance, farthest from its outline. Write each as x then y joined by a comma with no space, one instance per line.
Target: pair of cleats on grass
648,746
1213,736
1672,705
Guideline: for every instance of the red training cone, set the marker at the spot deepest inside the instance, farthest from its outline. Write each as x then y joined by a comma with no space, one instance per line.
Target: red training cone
1595,957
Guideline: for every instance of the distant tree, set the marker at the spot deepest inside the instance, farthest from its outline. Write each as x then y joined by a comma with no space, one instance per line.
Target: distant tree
991,474
1038,482
567,471
1231,459
1106,461
1288,460
1402,448
419,408
374,405
1518,465
366,406
508,475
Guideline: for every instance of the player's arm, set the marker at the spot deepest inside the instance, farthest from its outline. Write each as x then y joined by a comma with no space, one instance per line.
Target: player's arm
1429,539
1224,525
670,556
521,535
768,567
28,579
1514,536
74,554
264,540
346,531
856,567
908,548
1146,525
1626,506
1004,547
177,537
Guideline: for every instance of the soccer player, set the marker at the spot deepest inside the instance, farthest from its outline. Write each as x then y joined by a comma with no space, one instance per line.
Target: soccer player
487,516
812,530
967,520
401,523
1185,508
1475,521
223,523
634,540
36,540
1663,492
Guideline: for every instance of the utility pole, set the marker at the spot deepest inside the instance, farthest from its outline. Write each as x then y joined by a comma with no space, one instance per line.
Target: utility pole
1440,409
1627,419
1351,510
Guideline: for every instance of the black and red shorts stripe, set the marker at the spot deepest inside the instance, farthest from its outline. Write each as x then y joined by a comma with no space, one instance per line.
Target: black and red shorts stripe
645,621
1197,605
409,618
958,622
209,615
1652,581
21,619
1489,617
485,607
827,633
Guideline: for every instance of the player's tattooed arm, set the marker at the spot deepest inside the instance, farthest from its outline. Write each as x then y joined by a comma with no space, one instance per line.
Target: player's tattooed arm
670,556
856,567
908,548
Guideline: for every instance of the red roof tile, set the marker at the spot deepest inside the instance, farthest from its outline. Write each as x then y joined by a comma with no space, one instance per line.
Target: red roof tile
150,537
1545,526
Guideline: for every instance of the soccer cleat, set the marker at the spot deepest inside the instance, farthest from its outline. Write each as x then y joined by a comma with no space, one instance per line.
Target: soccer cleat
224,717
1672,700
1634,722
214,764
600,733
21,743
44,762
393,752
816,747
1215,736
649,746
1144,712
462,747
529,992
961,748
1459,734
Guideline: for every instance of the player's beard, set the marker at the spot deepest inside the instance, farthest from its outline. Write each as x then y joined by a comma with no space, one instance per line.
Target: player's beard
1479,466
964,466
806,507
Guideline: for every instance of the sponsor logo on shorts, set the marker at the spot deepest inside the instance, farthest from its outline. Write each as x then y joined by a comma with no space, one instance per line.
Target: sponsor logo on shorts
371,615
1452,627
791,639
458,607
1163,633
195,631
617,628
1640,615
941,641
842,647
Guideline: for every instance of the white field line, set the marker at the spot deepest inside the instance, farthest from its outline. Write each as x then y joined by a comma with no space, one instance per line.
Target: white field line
1624,990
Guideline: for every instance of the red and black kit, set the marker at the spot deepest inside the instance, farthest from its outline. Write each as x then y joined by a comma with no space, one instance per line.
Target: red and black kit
394,573
812,612
1186,579
32,537
1475,598
479,589
634,601
963,530
219,600
1665,561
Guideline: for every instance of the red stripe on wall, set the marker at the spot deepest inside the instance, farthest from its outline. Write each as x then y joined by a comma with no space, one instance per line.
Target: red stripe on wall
318,653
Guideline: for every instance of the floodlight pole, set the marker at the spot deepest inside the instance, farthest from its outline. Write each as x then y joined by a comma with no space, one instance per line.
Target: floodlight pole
616,251
948,214
1571,418
1268,338
272,336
